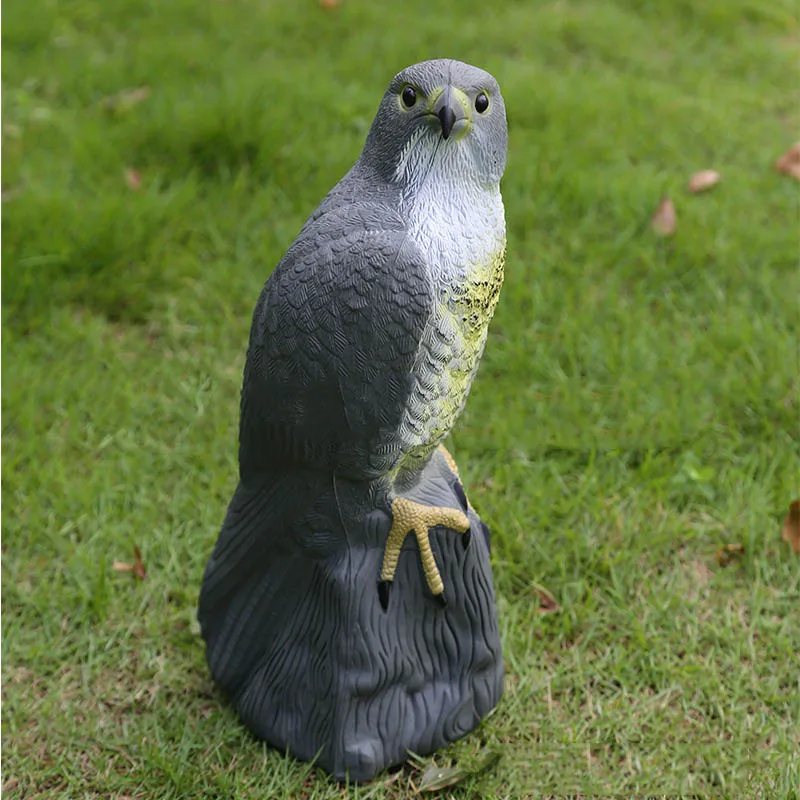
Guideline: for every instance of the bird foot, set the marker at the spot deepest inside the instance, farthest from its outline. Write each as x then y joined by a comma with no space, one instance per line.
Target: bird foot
408,517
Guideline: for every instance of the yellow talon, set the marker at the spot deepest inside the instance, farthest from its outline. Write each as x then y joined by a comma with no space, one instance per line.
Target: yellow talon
409,516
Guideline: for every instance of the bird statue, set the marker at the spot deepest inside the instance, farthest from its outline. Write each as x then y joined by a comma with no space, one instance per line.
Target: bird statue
336,635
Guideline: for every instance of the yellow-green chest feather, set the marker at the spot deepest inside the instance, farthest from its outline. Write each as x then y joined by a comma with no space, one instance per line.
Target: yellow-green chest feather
461,229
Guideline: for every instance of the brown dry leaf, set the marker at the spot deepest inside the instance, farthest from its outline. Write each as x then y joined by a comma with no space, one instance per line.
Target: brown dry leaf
137,568
133,179
789,162
329,4
728,553
664,219
791,527
11,194
125,100
703,180
547,603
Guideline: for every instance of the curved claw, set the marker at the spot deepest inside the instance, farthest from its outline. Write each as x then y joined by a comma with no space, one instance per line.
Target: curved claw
408,517
466,538
384,590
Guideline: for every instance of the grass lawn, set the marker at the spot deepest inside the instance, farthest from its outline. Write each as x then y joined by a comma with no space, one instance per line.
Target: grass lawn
636,410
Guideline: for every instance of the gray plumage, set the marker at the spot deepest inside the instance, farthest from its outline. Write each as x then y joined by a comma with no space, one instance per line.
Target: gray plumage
363,347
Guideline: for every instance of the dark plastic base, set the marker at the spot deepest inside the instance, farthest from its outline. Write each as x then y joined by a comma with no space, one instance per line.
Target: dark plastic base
298,636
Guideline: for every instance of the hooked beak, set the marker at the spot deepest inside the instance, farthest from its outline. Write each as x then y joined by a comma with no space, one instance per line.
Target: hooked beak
447,118
450,111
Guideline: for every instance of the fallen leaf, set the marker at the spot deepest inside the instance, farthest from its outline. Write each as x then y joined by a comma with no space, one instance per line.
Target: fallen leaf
137,568
789,162
547,603
435,778
703,180
11,194
125,100
133,179
664,219
791,527
329,4
729,553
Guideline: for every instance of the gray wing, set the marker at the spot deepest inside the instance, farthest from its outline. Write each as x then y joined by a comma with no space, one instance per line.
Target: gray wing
332,347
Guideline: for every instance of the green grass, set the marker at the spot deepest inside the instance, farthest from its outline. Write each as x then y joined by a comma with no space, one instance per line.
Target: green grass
637,407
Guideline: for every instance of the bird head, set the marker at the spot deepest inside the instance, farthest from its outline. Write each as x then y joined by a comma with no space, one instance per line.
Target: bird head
439,112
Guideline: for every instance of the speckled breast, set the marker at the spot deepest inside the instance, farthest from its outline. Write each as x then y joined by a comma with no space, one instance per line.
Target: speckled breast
467,247
473,302
468,308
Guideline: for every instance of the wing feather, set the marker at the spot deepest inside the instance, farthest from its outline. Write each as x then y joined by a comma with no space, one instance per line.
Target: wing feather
334,340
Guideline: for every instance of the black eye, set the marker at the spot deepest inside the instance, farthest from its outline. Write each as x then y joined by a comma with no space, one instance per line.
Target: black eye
409,96
481,103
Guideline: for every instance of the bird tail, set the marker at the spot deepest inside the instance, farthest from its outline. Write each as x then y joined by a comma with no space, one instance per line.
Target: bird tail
258,573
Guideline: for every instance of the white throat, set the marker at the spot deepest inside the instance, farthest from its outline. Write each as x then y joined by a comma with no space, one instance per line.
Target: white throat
454,219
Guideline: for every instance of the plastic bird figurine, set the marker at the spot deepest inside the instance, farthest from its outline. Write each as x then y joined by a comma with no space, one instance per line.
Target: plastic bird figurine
336,634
